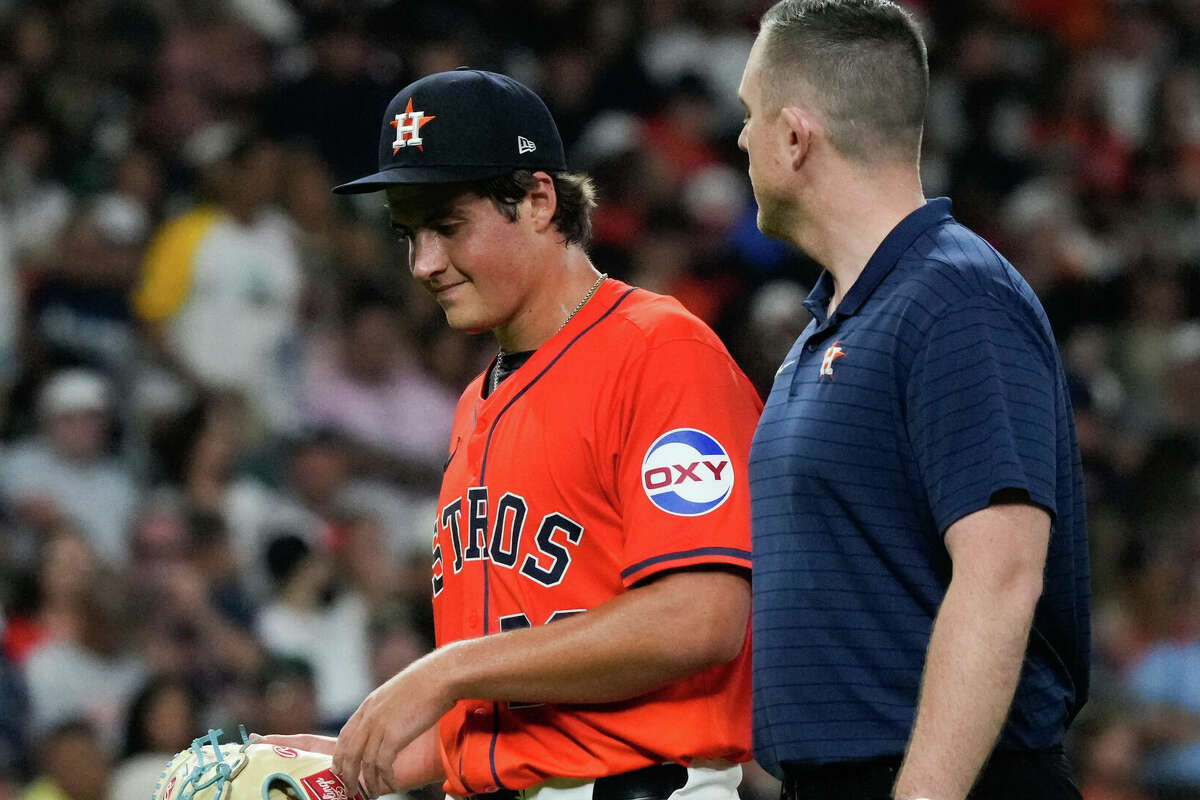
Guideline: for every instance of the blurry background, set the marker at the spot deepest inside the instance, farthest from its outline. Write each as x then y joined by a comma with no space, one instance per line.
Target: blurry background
223,404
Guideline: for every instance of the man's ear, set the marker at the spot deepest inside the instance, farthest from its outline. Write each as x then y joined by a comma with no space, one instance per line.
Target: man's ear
543,201
799,128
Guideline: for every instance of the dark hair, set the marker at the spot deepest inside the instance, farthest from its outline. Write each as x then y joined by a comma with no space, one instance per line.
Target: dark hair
576,198
137,738
207,529
279,667
362,298
862,64
69,728
283,555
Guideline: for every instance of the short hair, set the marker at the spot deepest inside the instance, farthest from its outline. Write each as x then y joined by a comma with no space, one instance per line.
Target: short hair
576,198
282,667
863,65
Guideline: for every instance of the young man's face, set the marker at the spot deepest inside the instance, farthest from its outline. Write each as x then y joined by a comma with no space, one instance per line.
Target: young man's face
470,257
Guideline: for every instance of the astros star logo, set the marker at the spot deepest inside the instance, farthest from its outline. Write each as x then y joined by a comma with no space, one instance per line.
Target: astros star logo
408,128
833,353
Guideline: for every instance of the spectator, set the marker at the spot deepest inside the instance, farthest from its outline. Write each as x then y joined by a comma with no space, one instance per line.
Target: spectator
79,312
10,311
1110,746
287,697
367,383
1164,680
73,764
163,719
91,677
198,614
14,724
321,487
64,474
400,633
51,605
199,452
325,105
309,619
365,564
221,284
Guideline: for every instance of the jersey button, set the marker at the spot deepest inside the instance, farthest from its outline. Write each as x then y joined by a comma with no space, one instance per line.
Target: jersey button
479,712
490,789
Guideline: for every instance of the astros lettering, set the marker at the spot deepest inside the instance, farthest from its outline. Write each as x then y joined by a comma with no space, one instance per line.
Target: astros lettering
548,560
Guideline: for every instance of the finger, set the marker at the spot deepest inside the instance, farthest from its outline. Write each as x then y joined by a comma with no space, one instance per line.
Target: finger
382,762
383,765
370,766
383,757
388,781
347,755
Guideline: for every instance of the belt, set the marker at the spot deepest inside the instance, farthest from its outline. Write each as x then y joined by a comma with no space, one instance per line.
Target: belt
656,782
1007,773
864,779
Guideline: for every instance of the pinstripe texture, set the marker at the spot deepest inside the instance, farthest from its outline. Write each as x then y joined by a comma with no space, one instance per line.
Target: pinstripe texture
935,384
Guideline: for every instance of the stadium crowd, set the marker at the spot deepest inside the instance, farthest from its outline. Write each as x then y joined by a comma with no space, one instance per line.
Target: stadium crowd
224,404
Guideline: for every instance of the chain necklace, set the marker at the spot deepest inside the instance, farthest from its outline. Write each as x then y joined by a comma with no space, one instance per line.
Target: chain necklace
495,381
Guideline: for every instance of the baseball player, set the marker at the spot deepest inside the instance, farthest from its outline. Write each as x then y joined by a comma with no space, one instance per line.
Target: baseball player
591,548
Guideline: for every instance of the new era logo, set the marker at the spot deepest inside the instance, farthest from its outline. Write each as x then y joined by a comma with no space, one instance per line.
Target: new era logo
525,146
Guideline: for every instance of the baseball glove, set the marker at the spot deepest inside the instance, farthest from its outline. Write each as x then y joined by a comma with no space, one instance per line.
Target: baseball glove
249,771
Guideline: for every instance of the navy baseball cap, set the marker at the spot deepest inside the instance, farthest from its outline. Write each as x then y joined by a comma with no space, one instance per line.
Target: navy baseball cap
462,125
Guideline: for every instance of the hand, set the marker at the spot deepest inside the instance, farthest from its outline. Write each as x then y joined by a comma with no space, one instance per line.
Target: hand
396,714
311,742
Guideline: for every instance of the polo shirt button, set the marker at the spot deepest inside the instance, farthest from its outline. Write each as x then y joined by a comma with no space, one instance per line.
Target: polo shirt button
479,712
490,789
810,347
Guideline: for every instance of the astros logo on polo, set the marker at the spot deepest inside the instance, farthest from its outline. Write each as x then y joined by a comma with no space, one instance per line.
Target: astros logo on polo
686,472
408,128
833,353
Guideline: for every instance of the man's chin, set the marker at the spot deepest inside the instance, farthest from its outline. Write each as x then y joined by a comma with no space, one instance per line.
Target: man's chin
769,225
460,323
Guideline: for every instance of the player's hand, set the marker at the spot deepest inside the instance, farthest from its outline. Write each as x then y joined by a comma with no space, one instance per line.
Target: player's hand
418,764
389,720
312,742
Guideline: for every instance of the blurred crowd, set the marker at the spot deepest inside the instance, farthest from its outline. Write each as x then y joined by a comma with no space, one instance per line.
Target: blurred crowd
224,405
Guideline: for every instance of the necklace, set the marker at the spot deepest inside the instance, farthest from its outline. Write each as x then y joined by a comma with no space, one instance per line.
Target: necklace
495,380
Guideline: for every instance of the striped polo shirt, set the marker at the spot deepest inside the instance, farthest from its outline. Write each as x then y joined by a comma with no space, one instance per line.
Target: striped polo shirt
935,384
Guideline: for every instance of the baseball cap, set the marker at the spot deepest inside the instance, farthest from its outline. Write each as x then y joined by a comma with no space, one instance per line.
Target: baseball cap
74,390
462,125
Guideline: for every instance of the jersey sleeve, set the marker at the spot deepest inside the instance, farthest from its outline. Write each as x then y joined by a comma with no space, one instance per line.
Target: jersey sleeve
981,410
689,417
167,271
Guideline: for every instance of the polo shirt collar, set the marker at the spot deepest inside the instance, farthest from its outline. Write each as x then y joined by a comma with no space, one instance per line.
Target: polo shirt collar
881,262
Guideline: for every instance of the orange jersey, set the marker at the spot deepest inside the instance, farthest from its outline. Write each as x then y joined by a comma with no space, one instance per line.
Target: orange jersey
617,451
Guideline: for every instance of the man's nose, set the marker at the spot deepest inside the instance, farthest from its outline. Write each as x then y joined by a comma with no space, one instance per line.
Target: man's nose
428,258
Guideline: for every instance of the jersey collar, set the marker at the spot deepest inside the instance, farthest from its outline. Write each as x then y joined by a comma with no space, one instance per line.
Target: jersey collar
881,262
601,303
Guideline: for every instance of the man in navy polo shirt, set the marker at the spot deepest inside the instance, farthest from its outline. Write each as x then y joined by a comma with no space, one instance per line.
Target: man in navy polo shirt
921,622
